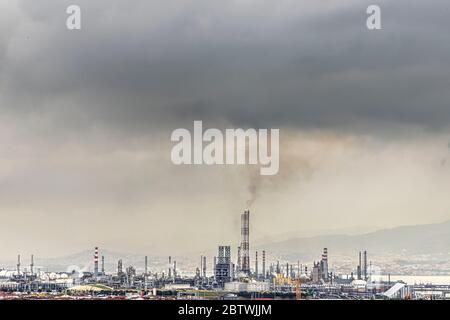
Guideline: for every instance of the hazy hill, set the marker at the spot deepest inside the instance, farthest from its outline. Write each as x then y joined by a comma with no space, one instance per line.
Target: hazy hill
420,239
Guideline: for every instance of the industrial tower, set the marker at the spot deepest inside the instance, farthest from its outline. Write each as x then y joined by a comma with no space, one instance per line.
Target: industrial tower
245,244
96,262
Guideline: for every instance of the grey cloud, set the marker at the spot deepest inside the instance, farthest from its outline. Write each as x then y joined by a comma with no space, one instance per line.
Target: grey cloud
285,63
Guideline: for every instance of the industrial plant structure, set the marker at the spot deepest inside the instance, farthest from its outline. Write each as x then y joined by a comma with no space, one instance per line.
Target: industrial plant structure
245,242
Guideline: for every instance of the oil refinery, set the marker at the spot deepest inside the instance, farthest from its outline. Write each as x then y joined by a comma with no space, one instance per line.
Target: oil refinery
227,279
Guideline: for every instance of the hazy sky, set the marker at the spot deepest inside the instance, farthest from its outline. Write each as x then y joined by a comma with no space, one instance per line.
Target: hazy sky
86,118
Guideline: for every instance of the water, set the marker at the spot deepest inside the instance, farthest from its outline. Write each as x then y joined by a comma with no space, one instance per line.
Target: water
436,280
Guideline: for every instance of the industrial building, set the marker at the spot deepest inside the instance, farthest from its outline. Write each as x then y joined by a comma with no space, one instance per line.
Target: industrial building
224,267
252,286
320,269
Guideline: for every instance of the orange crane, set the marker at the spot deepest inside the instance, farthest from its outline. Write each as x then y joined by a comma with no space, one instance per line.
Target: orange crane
298,289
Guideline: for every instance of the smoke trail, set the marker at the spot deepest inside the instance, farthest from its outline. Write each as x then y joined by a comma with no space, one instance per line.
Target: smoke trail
254,184
300,156
291,165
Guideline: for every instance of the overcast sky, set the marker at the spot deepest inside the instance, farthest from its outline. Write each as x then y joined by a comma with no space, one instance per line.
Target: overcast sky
86,118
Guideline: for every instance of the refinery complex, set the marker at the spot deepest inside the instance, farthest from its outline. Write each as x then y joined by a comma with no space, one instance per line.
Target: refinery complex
247,275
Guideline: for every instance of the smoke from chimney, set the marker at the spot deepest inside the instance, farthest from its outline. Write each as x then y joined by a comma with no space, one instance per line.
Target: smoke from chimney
300,155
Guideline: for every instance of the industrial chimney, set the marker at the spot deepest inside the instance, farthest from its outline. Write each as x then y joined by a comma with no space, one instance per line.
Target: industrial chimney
325,264
96,262
18,264
358,270
32,265
204,267
170,267
256,265
365,266
264,264
239,259
245,244
146,266
174,270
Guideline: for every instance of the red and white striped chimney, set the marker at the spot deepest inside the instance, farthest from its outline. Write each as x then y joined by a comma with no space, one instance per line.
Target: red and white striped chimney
96,262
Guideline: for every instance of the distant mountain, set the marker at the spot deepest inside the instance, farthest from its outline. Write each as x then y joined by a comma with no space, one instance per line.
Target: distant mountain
350,231
419,239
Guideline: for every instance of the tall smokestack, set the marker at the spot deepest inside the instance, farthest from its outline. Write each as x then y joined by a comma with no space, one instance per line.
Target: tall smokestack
174,270
146,266
239,259
96,262
325,263
103,265
119,267
256,265
264,264
145,272
32,264
170,267
204,267
365,265
214,267
18,264
325,254
358,271
245,244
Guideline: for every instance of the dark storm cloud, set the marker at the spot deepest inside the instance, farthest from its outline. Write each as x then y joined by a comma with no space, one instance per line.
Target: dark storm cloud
142,64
